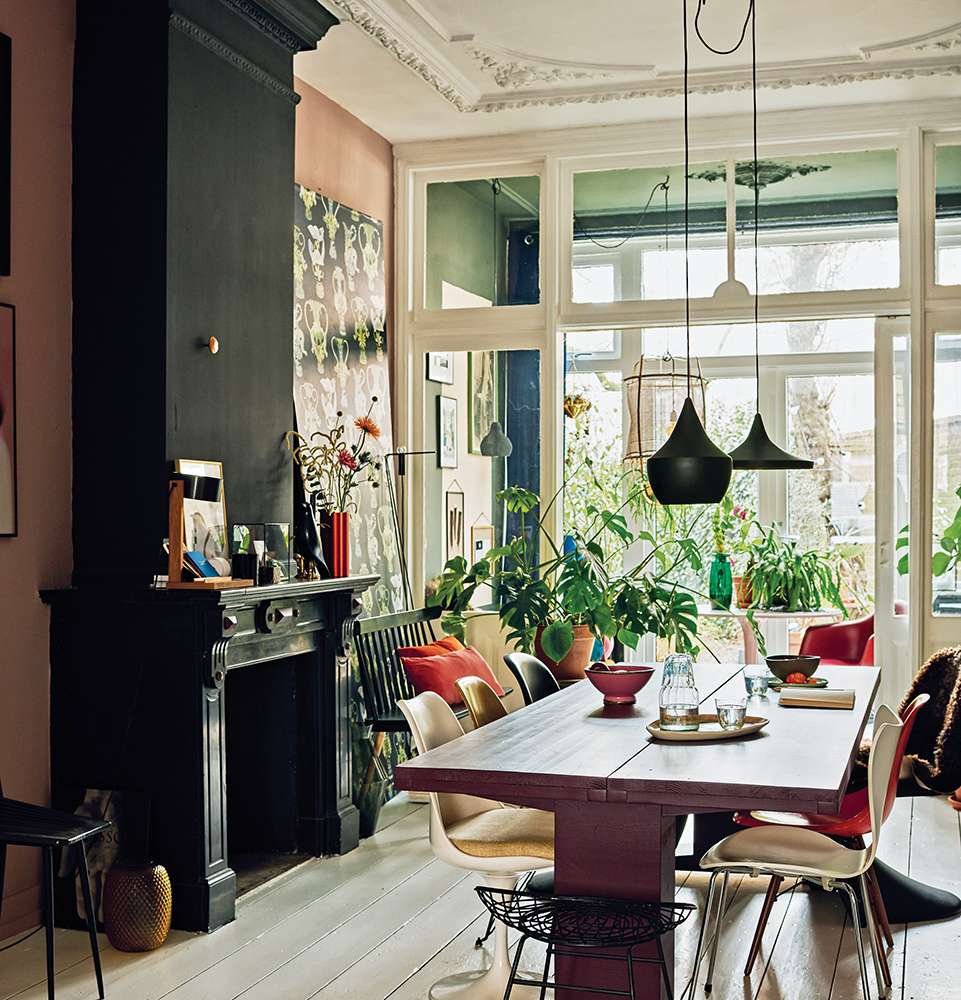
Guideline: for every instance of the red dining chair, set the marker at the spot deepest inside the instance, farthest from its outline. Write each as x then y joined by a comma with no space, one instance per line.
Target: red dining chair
838,643
852,822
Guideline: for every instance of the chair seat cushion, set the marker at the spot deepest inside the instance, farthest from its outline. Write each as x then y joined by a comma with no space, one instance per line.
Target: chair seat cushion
505,833
438,673
787,851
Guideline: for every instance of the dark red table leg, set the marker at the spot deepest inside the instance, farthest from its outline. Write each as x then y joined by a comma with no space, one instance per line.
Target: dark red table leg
621,850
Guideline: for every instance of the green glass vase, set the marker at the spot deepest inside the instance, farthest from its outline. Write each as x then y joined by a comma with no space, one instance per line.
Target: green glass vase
721,583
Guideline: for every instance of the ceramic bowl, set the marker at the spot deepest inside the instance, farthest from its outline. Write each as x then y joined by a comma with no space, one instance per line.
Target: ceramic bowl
783,665
620,682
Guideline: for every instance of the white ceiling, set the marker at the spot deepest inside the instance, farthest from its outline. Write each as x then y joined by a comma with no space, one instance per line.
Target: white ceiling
434,69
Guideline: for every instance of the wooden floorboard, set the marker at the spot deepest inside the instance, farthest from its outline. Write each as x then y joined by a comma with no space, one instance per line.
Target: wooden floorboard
388,920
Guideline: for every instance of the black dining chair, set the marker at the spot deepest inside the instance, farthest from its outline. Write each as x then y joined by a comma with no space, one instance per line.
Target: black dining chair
533,677
28,825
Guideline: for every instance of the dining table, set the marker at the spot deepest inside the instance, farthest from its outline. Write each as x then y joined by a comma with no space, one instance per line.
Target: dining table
615,790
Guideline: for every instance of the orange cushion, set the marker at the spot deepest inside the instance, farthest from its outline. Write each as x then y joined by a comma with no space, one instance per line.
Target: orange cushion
438,673
445,644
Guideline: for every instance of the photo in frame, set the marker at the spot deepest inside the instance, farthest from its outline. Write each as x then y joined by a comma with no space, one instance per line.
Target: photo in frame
454,523
481,541
440,366
481,397
205,517
446,432
8,424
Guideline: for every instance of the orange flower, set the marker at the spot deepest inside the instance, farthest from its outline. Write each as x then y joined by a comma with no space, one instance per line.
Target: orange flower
368,427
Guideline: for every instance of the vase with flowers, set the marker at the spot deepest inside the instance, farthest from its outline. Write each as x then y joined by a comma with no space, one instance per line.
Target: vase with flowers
730,526
331,469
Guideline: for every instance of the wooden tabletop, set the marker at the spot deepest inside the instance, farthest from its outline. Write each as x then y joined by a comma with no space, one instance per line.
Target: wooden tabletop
570,746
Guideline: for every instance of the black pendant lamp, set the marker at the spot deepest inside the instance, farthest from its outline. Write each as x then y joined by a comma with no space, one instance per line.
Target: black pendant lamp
688,468
757,450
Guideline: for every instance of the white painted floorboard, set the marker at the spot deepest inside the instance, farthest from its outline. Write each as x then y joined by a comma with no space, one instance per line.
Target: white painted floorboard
388,920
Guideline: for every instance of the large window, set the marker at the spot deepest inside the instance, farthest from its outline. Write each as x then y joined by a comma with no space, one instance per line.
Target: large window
946,503
947,225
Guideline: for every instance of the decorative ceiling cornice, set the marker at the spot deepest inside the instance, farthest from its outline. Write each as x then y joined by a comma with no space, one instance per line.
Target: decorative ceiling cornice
531,81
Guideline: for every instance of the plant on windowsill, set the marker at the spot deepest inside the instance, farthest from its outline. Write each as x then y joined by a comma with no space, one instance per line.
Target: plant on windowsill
948,556
541,601
785,577
730,526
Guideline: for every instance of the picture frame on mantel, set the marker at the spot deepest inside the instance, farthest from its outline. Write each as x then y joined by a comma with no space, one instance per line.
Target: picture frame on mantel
440,367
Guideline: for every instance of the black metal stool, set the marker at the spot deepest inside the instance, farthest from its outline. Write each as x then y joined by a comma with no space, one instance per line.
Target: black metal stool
571,924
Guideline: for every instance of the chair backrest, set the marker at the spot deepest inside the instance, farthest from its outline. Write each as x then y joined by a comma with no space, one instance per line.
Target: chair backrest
844,641
481,699
881,768
432,724
533,676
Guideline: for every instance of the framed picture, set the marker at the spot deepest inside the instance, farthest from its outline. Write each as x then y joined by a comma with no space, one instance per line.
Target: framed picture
446,432
481,397
440,366
481,541
455,523
8,425
205,511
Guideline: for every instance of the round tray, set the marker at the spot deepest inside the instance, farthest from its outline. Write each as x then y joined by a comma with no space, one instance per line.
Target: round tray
776,685
710,730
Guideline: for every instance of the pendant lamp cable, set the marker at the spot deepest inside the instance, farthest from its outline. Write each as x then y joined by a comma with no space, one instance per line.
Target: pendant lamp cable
687,183
757,202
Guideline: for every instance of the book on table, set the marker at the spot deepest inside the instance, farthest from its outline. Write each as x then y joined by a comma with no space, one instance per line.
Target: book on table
817,698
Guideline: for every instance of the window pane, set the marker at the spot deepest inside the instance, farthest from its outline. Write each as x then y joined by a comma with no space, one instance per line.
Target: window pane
483,240
825,223
947,473
831,420
629,233
947,225
811,336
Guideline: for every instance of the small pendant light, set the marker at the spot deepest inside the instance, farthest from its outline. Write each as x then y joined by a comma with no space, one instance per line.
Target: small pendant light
757,450
688,468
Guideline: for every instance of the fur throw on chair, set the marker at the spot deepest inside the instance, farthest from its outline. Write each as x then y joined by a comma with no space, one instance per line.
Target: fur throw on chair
934,746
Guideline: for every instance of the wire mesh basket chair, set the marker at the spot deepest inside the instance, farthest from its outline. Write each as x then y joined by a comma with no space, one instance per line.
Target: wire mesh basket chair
571,924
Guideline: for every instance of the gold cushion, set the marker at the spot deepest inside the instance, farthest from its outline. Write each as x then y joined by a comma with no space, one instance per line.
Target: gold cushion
505,833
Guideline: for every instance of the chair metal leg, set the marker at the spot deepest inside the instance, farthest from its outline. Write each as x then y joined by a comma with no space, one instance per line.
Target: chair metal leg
769,900
91,916
845,887
877,902
48,915
702,934
709,982
882,974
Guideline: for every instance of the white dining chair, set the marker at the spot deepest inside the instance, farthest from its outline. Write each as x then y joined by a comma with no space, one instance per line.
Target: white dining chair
478,834
791,852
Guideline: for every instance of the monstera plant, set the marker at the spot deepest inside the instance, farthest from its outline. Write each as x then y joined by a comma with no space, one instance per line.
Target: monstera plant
543,590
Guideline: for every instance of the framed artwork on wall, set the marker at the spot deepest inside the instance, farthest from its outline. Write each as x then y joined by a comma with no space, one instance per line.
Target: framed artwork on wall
446,432
4,154
8,424
440,366
481,397
454,522
481,541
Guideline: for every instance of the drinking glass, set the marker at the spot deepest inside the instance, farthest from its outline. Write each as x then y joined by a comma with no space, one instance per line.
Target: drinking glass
755,682
730,712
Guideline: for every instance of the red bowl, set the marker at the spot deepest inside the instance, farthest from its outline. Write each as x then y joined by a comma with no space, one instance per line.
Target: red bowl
619,683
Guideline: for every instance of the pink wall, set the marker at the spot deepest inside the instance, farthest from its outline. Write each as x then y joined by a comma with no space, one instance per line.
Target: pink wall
338,155
39,288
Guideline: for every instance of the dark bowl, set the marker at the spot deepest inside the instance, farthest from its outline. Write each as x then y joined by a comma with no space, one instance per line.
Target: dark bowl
620,682
785,664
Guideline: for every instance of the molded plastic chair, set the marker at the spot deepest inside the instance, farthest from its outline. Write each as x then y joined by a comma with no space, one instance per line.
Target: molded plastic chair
791,852
474,833
533,676
482,701
36,826
838,643
572,924
853,821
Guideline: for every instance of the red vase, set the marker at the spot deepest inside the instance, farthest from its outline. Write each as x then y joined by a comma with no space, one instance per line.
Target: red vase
335,538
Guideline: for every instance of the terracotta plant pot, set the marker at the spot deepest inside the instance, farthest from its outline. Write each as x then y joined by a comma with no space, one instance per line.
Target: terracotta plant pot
572,667
742,587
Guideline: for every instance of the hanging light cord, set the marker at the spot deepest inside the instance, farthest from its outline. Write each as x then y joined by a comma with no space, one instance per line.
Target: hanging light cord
662,186
707,45
687,182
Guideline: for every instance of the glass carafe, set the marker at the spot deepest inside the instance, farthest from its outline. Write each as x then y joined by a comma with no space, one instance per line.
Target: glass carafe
678,699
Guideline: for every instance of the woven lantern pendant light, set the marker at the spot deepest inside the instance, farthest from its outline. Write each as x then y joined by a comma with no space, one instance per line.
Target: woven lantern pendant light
757,450
689,468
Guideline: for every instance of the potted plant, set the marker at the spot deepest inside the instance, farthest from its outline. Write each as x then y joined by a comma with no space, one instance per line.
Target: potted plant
544,592
783,576
730,526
